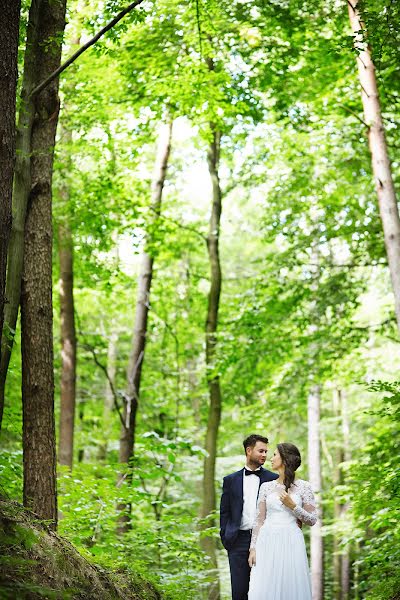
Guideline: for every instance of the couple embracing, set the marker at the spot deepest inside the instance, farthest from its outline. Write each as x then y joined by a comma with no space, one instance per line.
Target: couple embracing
261,518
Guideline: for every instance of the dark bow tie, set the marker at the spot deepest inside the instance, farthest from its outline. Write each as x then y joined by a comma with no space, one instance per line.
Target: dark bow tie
247,472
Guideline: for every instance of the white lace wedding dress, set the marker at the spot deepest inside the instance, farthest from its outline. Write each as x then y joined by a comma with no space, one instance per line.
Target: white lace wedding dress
281,571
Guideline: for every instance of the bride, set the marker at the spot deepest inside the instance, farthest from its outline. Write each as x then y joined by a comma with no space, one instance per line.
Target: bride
277,557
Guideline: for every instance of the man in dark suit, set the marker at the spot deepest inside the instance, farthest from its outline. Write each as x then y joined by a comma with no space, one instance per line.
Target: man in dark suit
238,511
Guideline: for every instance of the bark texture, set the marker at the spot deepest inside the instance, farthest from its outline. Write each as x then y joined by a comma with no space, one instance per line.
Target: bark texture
68,345
134,371
381,166
34,54
9,31
36,291
213,381
314,466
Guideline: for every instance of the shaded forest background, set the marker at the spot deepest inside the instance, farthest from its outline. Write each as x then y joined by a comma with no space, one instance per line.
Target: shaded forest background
205,244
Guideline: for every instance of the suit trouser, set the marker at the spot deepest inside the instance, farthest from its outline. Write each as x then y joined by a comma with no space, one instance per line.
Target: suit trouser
238,562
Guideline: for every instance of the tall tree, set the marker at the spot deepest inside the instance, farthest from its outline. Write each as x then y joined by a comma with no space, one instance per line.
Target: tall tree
68,337
213,380
381,166
314,468
36,289
20,196
134,371
9,33
345,555
337,509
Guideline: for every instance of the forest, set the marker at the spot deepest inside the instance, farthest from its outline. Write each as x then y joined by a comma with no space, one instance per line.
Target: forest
199,240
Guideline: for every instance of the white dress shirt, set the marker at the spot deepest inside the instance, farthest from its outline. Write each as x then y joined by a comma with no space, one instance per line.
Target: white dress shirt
251,484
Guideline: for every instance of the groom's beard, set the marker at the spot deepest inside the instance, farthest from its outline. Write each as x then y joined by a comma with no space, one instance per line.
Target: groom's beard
255,464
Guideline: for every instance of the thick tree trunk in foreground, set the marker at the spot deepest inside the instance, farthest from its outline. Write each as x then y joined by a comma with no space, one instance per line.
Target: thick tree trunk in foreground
9,31
214,413
314,466
22,186
134,371
379,153
36,293
68,346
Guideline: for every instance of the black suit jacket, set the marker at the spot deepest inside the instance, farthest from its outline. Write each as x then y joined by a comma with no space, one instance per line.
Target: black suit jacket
232,504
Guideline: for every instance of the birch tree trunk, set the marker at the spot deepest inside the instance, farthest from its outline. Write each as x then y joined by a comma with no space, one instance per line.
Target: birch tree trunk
213,381
381,166
21,190
337,509
314,466
9,32
68,344
36,291
134,371
345,557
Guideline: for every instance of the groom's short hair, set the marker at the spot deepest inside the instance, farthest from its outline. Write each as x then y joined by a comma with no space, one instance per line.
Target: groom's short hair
252,440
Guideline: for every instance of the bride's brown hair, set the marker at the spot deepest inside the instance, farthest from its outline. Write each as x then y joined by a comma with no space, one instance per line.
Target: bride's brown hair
291,458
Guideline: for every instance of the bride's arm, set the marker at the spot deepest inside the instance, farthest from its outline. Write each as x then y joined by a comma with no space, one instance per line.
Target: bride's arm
308,513
260,518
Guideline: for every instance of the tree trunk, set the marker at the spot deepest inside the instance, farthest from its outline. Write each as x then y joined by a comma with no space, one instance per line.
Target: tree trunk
68,345
314,466
9,32
337,509
36,293
22,186
67,322
109,393
214,414
345,557
134,371
379,153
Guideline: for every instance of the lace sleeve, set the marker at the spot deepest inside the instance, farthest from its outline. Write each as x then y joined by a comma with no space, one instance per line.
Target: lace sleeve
308,512
260,515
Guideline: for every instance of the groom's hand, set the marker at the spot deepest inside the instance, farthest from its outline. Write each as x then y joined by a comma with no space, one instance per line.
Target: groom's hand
252,558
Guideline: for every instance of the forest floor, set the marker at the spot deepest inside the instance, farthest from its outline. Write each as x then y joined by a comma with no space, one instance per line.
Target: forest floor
37,563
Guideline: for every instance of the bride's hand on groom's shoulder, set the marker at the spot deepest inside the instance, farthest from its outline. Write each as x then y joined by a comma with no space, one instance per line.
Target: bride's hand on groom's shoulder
252,558
287,500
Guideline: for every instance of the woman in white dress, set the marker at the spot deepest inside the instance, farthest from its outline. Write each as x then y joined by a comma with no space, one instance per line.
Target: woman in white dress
278,557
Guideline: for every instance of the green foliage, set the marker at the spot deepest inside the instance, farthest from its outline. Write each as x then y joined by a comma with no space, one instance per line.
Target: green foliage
375,484
163,535
306,294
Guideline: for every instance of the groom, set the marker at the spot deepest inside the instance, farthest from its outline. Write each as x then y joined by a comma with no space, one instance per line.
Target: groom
238,511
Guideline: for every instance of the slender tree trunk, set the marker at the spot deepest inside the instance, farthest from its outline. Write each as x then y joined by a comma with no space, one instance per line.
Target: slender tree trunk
136,359
108,393
67,321
36,293
68,345
22,187
337,509
9,32
314,466
379,153
214,389
134,371
345,557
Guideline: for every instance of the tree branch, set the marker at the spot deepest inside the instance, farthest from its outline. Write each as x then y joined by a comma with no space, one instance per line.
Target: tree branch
187,227
82,49
352,112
